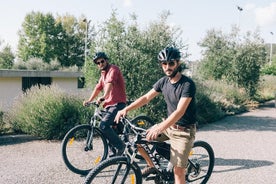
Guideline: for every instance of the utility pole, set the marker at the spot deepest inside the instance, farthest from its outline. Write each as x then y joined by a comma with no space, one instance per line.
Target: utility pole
240,10
270,58
86,39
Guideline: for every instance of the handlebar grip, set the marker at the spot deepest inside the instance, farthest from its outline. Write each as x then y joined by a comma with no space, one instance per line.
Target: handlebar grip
92,103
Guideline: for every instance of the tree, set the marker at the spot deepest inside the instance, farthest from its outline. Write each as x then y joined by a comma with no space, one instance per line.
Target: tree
135,51
72,46
234,59
217,55
6,57
39,37
44,37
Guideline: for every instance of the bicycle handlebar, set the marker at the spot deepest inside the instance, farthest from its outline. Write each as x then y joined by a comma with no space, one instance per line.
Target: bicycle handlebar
92,103
97,104
137,130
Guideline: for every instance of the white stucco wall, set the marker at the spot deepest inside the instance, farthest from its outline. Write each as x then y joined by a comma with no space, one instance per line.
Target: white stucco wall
10,88
68,84
11,83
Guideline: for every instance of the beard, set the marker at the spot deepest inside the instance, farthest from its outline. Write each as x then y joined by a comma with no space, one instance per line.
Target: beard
105,67
171,73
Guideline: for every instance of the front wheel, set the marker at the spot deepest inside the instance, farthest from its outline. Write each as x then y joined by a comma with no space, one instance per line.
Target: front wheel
82,149
115,170
201,163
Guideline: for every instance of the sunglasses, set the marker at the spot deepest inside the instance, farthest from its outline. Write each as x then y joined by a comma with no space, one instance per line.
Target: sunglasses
100,62
170,63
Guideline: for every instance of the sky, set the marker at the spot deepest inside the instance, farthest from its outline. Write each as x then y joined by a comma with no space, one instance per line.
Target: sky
194,18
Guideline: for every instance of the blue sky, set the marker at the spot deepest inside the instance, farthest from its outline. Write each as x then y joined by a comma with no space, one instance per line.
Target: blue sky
193,17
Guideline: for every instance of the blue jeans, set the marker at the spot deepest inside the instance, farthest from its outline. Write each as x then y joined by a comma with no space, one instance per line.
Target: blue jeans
106,125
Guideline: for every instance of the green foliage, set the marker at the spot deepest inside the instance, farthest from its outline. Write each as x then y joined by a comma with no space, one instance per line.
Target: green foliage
269,68
207,110
73,36
62,39
135,51
6,58
39,37
267,88
2,124
216,99
217,56
230,58
38,64
46,112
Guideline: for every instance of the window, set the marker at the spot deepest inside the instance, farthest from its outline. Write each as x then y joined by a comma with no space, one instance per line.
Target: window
28,82
81,82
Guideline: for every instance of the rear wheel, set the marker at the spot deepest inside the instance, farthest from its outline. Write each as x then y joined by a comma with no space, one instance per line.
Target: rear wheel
79,156
142,121
115,170
201,163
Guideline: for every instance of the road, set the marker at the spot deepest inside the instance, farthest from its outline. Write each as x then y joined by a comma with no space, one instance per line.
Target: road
244,147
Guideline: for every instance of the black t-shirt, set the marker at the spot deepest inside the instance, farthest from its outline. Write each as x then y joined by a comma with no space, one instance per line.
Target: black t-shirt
185,87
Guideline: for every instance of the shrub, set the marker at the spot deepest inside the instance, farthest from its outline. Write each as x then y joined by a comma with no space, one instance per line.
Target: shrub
1,123
46,112
267,88
269,69
207,109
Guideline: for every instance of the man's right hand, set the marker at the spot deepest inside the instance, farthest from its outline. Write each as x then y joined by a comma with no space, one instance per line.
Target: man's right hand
121,113
85,103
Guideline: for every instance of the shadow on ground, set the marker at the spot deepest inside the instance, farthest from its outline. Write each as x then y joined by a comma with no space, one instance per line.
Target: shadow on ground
16,139
238,164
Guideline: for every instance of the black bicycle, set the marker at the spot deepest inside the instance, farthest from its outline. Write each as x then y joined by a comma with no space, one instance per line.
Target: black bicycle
84,146
124,169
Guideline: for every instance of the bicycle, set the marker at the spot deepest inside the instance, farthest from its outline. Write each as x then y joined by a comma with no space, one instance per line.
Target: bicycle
84,146
124,169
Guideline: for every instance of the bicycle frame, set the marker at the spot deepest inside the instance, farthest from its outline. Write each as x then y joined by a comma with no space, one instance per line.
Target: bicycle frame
144,144
93,123
162,174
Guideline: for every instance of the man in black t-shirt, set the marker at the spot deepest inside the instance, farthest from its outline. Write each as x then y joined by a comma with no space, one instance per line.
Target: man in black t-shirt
179,127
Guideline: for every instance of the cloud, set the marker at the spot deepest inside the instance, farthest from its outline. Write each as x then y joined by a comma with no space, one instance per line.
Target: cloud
127,3
266,16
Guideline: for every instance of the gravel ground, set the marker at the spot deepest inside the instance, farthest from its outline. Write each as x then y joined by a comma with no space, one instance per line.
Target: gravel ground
244,147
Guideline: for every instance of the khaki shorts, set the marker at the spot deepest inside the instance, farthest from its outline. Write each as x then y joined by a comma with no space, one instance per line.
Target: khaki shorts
181,144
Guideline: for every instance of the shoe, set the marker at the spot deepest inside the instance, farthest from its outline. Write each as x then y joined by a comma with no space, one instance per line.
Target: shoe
147,171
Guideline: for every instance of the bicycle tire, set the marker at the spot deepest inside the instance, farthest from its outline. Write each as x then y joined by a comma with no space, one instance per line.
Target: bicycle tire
76,156
115,170
202,156
142,121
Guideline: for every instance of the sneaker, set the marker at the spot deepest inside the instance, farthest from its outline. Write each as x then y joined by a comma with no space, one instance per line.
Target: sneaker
147,171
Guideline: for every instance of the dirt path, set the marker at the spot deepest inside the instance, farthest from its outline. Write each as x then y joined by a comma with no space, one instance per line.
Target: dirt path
244,147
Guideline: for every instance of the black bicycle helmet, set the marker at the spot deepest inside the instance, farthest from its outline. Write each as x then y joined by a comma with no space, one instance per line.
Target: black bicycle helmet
99,55
169,54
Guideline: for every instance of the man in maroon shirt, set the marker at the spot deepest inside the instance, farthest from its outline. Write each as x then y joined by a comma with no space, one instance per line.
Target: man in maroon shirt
112,84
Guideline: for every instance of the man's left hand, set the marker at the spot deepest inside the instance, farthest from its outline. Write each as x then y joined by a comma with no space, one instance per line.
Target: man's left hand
153,132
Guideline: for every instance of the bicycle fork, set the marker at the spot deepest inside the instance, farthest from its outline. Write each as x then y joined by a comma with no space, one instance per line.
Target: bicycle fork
89,140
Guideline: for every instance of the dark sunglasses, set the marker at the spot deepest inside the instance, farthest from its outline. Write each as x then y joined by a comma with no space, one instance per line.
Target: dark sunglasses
100,62
170,63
